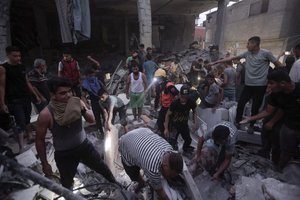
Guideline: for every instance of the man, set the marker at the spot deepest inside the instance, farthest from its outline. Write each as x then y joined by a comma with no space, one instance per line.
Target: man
91,85
133,60
149,69
160,76
215,149
285,95
229,82
111,105
295,70
15,93
177,120
256,71
142,54
136,85
69,68
193,75
240,77
143,149
39,80
63,116
210,96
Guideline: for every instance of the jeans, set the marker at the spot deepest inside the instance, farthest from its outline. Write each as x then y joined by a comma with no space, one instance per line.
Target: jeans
21,110
67,162
98,113
184,131
256,93
229,94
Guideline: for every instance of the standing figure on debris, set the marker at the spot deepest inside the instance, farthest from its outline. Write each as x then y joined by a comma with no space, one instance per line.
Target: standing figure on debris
285,95
210,96
295,70
142,54
91,85
143,149
176,121
240,77
167,96
193,75
215,149
160,76
136,86
133,60
229,82
69,68
111,105
256,71
39,81
149,68
15,93
63,116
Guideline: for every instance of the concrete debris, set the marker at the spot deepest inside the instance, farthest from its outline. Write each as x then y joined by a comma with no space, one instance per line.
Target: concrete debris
152,124
291,174
27,194
249,189
210,190
27,158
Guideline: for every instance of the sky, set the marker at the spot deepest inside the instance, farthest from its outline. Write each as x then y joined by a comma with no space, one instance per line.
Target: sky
202,16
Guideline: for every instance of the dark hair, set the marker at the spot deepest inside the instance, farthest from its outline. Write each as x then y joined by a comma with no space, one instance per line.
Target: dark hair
56,82
148,49
10,49
134,63
279,75
176,162
135,51
255,39
200,60
206,62
297,47
142,45
210,75
289,61
102,91
220,132
67,51
148,57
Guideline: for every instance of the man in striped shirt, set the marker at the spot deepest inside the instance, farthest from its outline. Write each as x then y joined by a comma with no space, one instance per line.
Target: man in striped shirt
143,149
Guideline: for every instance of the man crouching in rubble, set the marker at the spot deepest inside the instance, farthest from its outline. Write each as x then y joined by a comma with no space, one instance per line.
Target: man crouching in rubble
63,116
143,149
215,149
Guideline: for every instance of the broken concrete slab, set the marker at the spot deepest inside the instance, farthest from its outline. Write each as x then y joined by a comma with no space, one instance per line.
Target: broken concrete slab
291,173
27,194
249,138
152,123
249,189
277,190
145,118
123,97
27,158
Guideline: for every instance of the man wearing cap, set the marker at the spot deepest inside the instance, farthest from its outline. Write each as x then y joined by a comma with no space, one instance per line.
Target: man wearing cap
177,117
161,76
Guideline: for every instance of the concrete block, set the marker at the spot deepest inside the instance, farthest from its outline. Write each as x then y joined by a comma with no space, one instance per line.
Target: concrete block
152,123
138,124
124,98
27,158
145,118
29,193
250,138
249,189
130,118
212,117
191,185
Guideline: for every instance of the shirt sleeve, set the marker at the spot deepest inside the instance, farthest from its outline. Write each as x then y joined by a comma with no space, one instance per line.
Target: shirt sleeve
229,148
295,72
270,57
242,55
60,66
154,179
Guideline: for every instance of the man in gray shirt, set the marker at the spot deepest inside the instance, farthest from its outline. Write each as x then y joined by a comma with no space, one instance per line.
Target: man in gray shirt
256,71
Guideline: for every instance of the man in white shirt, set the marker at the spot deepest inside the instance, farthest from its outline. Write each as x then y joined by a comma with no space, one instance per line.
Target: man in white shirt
295,70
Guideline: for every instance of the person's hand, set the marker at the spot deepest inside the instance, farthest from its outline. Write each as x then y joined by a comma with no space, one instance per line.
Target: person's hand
215,177
166,133
38,100
108,126
47,169
89,57
269,126
3,108
245,121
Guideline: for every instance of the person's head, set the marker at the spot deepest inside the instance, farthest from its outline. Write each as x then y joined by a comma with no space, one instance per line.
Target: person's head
148,57
149,50
296,50
135,67
220,134
253,43
278,80
236,61
90,71
40,65
135,54
172,165
60,89
210,78
200,61
13,54
184,93
142,46
103,95
67,55
289,61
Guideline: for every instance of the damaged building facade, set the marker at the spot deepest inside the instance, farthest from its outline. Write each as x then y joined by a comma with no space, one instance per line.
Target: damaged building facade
115,26
275,21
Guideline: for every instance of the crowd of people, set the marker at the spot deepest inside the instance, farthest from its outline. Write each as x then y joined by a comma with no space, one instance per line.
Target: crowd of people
63,100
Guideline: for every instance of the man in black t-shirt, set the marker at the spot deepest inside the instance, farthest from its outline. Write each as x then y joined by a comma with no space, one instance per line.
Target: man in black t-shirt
15,93
177,120
286,96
